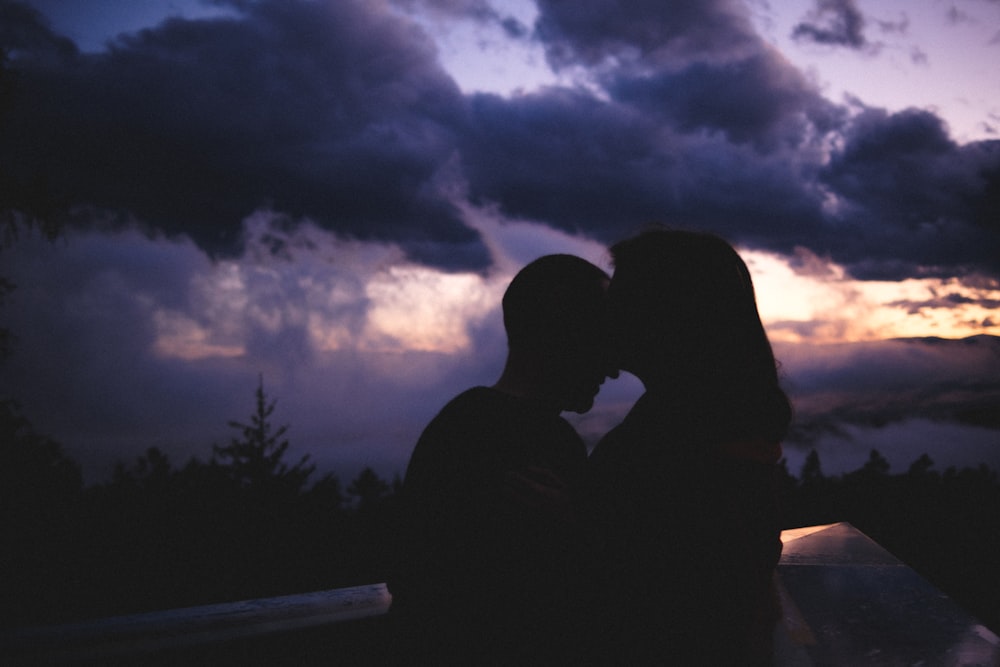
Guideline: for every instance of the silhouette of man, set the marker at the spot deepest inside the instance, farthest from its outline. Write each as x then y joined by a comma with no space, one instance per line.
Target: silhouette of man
488,536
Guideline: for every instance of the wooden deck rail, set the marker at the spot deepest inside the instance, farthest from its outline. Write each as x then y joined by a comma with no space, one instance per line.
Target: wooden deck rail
846,601
240,630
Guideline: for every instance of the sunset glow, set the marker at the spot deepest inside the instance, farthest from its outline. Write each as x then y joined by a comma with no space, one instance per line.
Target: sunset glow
333,195
819,303
415,308
180,337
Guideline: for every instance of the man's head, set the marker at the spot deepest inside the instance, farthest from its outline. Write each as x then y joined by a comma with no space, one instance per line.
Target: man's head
555,316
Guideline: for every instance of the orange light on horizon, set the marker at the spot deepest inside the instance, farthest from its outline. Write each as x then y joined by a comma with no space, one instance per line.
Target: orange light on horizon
371,299
180,337
816,301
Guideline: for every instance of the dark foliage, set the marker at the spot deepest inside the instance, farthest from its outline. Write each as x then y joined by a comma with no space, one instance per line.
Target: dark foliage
40,491
243,525
159,536
254,462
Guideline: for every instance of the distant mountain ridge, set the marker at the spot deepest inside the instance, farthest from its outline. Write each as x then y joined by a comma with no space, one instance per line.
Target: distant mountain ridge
977,339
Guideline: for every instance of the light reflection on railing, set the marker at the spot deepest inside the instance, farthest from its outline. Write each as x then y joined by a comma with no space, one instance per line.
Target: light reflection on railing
848,601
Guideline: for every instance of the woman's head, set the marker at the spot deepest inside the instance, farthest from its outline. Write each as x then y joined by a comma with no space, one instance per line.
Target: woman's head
685,318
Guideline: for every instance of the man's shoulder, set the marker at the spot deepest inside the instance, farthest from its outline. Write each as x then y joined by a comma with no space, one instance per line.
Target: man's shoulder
475,395
474,409
476,400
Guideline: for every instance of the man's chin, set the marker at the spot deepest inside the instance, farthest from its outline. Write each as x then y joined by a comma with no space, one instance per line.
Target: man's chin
581,405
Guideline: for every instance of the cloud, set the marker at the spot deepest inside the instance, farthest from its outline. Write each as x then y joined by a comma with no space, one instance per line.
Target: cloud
127,340
342,114
604,168
478,11
955,16
834,22
901,182
944,301
759,99
900,26
874,384
918,56
331,110
24,32
298,189
596,32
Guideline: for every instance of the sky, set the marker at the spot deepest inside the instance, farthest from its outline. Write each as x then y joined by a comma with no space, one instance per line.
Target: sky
332,196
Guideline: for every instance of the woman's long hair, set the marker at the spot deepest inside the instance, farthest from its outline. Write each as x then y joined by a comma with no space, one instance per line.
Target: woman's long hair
687,300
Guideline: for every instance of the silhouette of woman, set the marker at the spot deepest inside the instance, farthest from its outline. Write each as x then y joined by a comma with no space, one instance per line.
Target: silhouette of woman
684,488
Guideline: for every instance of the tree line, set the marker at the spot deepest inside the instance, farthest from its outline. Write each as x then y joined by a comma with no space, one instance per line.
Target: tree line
243,524
247,523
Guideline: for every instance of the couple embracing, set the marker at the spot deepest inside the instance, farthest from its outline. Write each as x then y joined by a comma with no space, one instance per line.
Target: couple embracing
516,548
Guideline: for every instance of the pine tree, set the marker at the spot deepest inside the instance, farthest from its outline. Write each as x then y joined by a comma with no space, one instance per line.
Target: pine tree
812,471
254,460
875,466
368,489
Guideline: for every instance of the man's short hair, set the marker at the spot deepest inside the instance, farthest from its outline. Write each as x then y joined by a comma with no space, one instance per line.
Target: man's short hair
552,298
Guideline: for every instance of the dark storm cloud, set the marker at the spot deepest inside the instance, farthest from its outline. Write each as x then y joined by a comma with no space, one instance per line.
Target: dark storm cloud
907,188
24,31
697,103
833,22
896,197
589,32
758,99
326,110
341,113
583,164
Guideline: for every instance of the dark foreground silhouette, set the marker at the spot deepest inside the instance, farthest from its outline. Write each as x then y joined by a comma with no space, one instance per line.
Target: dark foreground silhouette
685,488
490,546
160,537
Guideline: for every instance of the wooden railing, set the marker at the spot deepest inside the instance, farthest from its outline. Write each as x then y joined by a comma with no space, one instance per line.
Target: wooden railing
846,601
263,631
